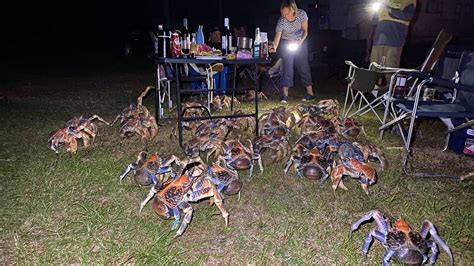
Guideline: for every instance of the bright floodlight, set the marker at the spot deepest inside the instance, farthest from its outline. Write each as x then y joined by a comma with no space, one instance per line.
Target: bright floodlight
376,6
293,47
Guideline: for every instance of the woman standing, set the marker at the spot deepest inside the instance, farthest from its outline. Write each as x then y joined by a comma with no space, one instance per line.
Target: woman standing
290,36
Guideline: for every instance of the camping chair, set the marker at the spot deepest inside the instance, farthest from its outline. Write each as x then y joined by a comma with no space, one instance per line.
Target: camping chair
211,72
461,107
414,75
362,82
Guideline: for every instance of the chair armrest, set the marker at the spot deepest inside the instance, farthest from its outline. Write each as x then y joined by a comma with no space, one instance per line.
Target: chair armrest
349,63
451,84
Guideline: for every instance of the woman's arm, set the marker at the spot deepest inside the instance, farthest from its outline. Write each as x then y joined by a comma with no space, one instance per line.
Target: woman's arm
276,40
304,27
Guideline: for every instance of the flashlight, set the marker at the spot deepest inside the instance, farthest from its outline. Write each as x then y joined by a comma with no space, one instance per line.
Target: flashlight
292,47
376,6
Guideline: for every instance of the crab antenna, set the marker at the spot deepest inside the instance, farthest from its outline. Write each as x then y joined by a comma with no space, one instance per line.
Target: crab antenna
428,227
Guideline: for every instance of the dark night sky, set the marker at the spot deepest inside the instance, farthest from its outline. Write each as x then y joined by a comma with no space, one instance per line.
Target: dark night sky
102,24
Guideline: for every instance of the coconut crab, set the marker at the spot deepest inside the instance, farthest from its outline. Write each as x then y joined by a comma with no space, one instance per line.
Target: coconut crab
279,146
316,123
219,102
226,180
236,155
348,127
144,125
329,107
250,96
136,119
401,241
64,136
175,195
80,127
151,170
363,172
133,110
308,163
87,125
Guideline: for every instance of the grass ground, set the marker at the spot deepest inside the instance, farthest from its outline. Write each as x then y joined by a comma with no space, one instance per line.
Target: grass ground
72,209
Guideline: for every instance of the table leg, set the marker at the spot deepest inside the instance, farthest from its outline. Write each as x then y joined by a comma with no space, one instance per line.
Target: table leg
256,89
234,85
157,94
178,107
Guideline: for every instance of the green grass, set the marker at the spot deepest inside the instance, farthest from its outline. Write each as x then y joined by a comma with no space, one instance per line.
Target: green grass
69,209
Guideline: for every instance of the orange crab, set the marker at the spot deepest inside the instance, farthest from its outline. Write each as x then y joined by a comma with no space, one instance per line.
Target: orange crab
401,241
176,194
152,169
308,163
363,172
81,127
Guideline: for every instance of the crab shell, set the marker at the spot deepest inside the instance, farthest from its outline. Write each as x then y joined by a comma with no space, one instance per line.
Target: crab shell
409,243
143,175
310,164
230,180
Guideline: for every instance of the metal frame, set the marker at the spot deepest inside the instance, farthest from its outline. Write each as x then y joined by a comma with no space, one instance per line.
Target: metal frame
177,62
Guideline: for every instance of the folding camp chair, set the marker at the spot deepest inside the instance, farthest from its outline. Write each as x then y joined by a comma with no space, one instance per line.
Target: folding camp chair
461,107
362,82
424,70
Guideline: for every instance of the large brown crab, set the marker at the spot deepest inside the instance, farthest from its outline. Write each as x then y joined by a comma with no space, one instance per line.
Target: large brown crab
144,125
87,125
137,119
176,194
226,180
237,156
250,96
64,136
80,127
308,163
223,101
363,172
315,123
402,243
348,127
279,147
152,169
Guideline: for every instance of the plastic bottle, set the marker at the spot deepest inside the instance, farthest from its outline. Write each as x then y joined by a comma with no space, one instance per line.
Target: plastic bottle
200,35
263,45
256,44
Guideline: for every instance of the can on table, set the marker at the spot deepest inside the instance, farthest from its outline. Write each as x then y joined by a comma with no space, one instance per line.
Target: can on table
428,94
175,46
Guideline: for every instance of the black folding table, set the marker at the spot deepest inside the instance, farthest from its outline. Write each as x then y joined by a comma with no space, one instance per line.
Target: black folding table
178,62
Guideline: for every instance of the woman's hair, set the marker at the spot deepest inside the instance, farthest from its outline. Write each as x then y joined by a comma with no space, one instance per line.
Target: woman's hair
291,4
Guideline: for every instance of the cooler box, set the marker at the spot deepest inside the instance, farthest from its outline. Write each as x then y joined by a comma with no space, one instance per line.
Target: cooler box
462,141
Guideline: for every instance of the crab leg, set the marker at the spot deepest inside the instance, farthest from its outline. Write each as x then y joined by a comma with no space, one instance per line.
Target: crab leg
289,163
132,166
434,252
369,239
383,225
206,191
176,222
388,255
428,227
150,195
98,118
188,214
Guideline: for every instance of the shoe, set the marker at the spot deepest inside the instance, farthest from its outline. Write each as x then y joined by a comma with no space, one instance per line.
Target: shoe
284,99
308,97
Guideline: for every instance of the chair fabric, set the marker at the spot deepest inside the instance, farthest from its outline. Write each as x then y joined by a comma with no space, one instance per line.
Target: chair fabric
362,81
461,107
